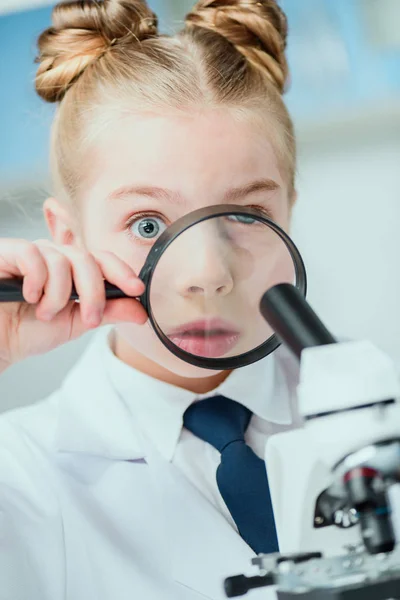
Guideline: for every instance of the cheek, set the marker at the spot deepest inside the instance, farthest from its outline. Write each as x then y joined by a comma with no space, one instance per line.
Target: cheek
98,237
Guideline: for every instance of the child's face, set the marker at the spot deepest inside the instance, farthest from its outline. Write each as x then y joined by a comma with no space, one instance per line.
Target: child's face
164,168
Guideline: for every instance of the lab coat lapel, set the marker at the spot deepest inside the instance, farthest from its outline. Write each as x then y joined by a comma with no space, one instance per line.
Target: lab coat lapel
203,547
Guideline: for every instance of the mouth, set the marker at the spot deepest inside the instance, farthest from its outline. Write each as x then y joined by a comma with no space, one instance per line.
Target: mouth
209,338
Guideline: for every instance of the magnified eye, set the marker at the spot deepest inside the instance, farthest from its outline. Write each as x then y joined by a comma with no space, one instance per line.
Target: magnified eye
148,228
242,219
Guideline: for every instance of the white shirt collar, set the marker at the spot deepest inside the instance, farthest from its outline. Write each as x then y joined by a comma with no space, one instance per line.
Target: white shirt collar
159,407
105,402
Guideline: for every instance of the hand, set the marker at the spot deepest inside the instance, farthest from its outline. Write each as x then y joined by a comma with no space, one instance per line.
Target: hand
49,318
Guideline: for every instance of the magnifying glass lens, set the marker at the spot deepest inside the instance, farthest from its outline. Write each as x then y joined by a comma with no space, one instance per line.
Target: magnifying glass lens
207,286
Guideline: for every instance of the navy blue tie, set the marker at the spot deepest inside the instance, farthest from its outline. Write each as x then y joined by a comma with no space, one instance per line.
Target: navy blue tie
241,476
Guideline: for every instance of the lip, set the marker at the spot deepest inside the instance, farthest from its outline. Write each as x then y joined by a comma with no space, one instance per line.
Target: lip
209,338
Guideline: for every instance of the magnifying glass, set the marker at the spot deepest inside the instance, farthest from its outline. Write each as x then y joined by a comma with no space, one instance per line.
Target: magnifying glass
204,279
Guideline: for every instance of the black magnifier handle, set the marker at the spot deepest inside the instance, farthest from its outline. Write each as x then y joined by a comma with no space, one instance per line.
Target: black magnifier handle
11,291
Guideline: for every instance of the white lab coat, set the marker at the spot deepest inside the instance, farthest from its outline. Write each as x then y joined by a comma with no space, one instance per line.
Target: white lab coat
88,515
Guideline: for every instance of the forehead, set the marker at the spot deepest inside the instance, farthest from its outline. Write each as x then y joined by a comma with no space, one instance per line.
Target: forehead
193,152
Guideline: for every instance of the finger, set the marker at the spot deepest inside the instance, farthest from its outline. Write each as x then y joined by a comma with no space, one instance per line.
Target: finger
124,310
32,267
119,273
57,291
21,258
89,285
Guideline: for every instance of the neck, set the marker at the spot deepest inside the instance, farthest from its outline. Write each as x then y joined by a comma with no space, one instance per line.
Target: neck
131,357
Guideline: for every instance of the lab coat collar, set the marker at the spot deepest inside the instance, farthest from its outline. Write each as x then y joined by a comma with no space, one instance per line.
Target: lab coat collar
105,403
93,419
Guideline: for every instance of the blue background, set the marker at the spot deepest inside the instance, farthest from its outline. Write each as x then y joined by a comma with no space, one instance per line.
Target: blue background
373,75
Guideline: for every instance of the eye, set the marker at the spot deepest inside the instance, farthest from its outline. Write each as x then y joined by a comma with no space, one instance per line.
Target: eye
147,228
242,219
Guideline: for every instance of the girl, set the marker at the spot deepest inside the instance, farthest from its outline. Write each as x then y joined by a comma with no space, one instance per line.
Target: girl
109,488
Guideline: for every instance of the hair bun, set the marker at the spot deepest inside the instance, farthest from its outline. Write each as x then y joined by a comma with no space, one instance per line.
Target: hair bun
82,31
258,29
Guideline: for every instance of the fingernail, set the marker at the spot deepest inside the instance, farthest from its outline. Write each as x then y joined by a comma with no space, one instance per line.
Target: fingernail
32,296
137,283
94,318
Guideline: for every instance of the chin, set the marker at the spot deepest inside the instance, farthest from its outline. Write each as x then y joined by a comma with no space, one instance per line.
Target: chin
184,369
143,341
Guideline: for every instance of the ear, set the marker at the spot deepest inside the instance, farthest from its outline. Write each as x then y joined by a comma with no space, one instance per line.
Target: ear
60,223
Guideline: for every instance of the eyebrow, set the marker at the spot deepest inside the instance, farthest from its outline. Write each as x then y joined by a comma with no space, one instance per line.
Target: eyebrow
157,193
149,191
261,185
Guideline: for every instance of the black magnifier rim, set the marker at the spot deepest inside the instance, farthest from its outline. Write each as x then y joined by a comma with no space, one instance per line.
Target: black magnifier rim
166,239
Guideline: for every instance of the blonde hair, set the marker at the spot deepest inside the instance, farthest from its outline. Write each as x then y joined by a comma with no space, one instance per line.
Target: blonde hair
231,53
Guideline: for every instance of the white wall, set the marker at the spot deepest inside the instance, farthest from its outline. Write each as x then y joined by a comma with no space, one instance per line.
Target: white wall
346,224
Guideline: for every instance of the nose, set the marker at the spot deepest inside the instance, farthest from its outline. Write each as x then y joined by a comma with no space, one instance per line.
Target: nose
209,269
203,281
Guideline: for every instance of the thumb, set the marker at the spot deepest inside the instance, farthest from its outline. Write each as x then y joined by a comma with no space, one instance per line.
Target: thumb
122,310
126,310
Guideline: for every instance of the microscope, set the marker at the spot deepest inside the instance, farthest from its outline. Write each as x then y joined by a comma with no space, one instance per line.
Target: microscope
349,400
